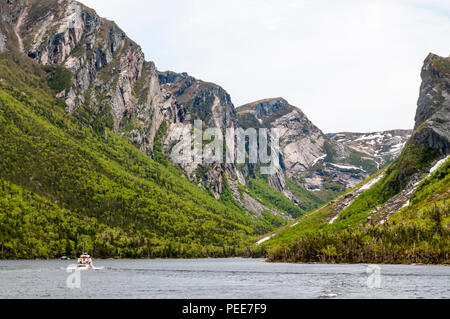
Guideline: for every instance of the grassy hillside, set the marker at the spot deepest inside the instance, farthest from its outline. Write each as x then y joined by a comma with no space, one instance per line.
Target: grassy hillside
260,189
65,183
419,233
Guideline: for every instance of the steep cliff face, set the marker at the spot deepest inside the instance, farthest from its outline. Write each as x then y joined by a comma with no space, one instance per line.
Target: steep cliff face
433,113
325,164
2,42
301,142
211,104
428,148
10,13
112,84
111,79
200,100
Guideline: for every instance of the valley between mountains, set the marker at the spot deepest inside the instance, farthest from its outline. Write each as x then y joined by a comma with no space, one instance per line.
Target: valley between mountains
85,141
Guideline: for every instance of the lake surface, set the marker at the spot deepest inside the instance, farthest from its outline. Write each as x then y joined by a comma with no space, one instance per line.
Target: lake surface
220,279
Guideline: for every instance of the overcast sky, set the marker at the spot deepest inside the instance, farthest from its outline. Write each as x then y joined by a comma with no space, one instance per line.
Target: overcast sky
349,65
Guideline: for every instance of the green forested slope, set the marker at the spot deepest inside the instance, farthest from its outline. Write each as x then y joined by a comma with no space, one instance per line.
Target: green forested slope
65,183
419,233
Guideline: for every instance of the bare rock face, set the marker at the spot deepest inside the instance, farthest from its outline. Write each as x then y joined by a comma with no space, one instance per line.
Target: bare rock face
431,132
112,82
2,42
200,100
301,142
110,75
11,16
433,113
211,104
316,161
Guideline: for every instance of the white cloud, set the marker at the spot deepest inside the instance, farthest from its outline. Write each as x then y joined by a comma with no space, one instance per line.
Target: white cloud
349,65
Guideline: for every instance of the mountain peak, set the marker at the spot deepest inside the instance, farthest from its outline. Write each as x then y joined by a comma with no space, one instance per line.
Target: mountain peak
269,100
269,108
433,112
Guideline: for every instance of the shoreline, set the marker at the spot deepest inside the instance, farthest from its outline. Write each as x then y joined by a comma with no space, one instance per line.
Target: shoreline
263,260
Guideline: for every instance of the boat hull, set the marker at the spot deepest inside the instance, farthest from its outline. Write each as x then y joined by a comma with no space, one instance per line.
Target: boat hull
84,268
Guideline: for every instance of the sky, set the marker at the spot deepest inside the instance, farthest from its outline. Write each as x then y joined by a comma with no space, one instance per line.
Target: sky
351,66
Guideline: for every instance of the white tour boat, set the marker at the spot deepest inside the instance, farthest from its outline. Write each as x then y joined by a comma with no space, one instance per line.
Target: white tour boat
85,263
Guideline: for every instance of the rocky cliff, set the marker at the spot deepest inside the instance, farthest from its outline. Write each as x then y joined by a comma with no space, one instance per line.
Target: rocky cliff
112,83
433,112
301,142
325,164
208,102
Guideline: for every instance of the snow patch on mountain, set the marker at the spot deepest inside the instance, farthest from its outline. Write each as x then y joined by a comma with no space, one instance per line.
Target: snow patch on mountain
438,165
371,183
347,167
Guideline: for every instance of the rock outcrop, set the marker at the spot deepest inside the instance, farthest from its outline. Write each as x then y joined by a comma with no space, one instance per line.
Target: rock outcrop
111,79
322,163
433,113
301,142
2,42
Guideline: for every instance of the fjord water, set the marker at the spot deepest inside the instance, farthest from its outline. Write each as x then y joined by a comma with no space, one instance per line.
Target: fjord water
218,279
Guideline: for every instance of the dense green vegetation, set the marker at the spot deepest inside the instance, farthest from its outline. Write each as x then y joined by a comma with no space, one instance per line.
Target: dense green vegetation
158,153
227,197
368,227
403,240
359,159
443,66
308,200
330,151
248,120
68,180
31,226
58,77
78,185
273,220
414,159
272,198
